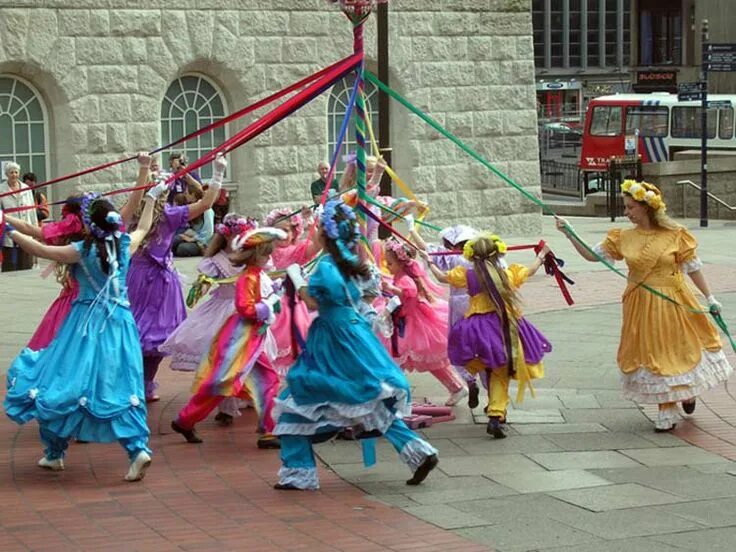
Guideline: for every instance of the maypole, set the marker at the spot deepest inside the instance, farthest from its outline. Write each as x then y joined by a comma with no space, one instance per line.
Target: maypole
358,11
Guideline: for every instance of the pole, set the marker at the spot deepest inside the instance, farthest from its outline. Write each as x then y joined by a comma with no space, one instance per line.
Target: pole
360,126
384,105
704,129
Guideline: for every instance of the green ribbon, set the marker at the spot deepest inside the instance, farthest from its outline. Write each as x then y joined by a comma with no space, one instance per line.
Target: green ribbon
531,197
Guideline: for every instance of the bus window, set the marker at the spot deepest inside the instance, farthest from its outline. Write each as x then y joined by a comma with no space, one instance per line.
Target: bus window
606,121
725,126
686,122
649,120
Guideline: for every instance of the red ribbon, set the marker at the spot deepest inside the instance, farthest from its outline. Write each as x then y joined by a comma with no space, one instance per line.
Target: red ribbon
248,109
552,267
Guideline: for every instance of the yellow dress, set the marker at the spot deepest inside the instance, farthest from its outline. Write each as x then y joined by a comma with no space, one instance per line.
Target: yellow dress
667,353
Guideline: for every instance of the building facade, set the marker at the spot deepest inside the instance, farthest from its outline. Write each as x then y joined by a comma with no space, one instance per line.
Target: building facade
80,86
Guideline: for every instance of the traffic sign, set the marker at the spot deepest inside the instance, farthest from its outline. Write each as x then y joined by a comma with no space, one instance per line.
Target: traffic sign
690,91
720,57
719,104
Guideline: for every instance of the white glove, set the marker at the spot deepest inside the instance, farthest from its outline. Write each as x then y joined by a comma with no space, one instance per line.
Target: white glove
272,299
144,160
393,304
713,303
294,272
220,164
157,190
409,220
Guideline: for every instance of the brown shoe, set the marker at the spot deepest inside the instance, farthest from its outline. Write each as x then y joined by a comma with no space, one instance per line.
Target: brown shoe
189,434
689,406
430,463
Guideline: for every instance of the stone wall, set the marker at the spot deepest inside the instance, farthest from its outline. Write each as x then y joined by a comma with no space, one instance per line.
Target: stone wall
103,66
683,201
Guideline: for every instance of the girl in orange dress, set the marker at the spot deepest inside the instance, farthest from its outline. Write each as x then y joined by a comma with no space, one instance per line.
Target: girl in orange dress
668,353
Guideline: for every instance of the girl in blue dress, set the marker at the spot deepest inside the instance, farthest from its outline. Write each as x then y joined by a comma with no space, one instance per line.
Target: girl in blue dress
344,377
88,383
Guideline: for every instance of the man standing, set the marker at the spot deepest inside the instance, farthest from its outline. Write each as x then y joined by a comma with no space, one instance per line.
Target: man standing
317,187
14,258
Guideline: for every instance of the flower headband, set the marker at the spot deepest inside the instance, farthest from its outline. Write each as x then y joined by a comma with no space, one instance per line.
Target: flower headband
398,249
284,214
644,192
469,249
234,225
113,218
344,233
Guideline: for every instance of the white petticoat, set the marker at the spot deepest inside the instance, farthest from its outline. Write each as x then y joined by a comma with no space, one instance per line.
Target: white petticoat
645,387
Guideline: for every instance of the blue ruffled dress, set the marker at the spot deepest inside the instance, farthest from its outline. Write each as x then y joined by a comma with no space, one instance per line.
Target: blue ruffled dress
88,383
344,377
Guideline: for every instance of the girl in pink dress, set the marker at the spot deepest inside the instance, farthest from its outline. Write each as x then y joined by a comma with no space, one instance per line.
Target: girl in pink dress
294,249
420,324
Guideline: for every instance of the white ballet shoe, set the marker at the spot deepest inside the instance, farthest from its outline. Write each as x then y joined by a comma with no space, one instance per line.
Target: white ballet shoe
457,396
57,464
138,467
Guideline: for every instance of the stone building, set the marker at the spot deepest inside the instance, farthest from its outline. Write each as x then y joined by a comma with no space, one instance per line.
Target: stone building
94,82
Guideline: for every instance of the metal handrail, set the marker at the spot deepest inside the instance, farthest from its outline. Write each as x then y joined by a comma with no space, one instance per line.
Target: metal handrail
710,195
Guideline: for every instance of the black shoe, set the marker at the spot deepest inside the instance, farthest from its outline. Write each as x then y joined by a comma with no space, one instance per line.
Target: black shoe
430,463
223,419
473,392
661,430
496,428
286,487
189,434
689,406
269,442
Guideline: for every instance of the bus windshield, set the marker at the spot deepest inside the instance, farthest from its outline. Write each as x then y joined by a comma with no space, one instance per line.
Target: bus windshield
606,120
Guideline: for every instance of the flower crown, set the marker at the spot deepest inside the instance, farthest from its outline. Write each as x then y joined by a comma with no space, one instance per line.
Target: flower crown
644,192
234,225
469,249
285,215
113,218
344,233
398,249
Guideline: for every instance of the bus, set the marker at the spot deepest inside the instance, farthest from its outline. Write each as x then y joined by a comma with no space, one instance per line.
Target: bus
664,124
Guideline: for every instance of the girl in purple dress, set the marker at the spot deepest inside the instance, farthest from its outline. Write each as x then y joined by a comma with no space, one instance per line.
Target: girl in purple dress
494,337
153,284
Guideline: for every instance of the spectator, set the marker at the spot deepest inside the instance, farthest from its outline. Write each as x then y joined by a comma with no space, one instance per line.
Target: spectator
177,161
14,258
318,186
194,239
42,204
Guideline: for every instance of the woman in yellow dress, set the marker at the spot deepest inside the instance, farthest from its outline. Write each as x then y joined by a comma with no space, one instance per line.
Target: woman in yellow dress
668,353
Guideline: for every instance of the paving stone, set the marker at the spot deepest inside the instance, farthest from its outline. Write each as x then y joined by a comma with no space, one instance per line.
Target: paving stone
712,540
482,465
512,444
616,497
673,456
635,522
582,460
527,533
445,516
543,429
679,480
580,401
479,491
617,420
714,513
600,441
722,467
540,482
623,545
661,439
541,416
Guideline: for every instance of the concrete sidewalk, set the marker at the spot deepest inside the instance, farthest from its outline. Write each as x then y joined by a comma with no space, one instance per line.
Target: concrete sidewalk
581,471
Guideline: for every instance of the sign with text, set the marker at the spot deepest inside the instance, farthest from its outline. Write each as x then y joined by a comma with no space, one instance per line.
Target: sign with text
720,58
690,91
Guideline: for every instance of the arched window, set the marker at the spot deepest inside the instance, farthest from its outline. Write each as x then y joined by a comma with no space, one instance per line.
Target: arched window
338,102
22,127
190,103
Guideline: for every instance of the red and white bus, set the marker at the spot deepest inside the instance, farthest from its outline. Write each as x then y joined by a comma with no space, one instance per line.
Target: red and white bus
665,126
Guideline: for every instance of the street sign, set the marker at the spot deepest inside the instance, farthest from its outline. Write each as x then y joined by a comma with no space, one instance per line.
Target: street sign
690,91
720,58
719,104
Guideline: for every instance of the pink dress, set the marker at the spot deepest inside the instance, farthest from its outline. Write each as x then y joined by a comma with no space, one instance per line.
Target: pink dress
424,345
287,349
53,233
192,338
